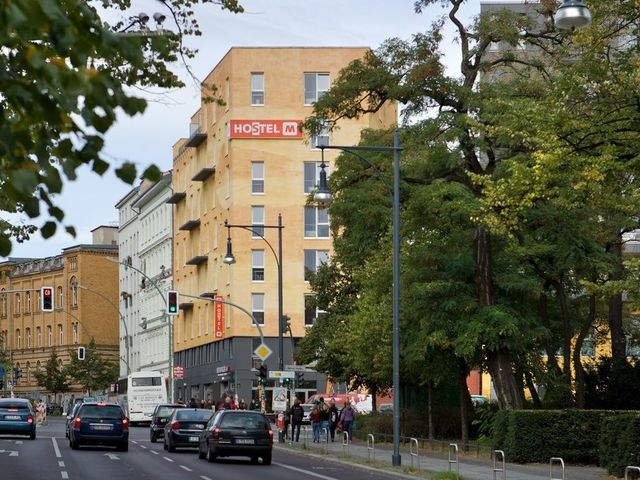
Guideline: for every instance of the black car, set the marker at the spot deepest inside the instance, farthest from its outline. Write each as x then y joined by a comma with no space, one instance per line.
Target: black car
17,417
98,423
159,419
71,416
237,433
184,426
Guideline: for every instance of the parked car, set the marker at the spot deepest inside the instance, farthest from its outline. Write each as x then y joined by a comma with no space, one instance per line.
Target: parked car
386,408
232,433
479,400
184,426
159,419
99,423
17,417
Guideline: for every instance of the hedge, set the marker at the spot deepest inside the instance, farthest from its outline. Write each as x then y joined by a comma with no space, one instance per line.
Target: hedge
537,435
620,442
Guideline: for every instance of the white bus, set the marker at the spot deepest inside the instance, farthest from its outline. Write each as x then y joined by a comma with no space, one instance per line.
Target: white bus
140,392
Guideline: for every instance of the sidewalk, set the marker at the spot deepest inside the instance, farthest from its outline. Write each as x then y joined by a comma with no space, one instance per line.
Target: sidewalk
469,467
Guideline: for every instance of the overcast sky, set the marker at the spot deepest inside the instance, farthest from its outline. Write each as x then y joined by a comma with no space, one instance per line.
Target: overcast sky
89,201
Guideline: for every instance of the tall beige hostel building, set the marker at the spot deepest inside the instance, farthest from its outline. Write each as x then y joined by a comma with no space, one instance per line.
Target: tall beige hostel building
248,162
29,335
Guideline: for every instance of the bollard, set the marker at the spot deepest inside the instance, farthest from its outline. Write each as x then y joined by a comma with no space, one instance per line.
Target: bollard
371,446
497,469
454,460
414,453
560,461
631,468
345,444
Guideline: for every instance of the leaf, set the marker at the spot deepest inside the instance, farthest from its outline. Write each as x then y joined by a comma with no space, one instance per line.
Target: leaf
127,173
152,173
24,181
71,231
48,230
5,245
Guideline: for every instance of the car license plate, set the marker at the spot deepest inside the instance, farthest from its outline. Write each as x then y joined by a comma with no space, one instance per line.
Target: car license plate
245,441
101,427
194,439
12,417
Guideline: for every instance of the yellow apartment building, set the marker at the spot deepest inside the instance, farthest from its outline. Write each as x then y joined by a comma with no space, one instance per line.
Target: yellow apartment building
247,162
85,287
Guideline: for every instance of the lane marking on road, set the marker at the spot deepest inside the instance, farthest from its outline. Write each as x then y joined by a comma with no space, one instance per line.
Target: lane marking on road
186,468
154,452
142,446
61,464
133,441
19,442
65,475
55,447
167,459
306,472
205,478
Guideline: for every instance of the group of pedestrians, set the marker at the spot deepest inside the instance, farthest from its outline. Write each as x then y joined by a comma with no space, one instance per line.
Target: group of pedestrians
226,402
325,419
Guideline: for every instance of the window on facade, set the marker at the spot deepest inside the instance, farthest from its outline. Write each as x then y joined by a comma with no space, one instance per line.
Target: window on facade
312,175
60,335
74,292
321,139
311,310
18,339
312,260
49,336
257,265
38,337
257,177
60,298
257,221
73,264
257,307
227,176
257,89
3,305
316,222
28,334
227,100
27,306
75,333
315,85
18,307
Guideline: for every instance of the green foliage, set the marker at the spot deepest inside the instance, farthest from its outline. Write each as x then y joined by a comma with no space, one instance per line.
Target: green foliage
95,372
620,442
536,435
66,74
55,377
613,385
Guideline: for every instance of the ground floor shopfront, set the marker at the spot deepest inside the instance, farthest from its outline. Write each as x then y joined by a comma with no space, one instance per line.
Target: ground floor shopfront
229,367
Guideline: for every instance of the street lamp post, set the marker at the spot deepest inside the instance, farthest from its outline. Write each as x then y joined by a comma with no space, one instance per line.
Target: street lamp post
229,259
126,329
164,299
323,196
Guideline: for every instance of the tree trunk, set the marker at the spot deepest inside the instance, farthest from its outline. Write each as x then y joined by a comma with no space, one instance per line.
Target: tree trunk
577,361
618,341
533,391
430,409
498,360
374,391
465,403
567,332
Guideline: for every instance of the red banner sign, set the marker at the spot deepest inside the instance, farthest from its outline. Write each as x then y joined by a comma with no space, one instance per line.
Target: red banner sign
218,317
265,129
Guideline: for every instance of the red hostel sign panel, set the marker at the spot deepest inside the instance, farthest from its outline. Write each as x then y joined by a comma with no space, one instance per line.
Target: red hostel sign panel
265,129
218,317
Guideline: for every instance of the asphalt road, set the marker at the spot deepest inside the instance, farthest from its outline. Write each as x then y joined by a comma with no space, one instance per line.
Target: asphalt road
49,457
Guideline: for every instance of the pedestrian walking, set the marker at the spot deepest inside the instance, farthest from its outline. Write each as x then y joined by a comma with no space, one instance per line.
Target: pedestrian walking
314,416
334,415
347,419
297,414
324,418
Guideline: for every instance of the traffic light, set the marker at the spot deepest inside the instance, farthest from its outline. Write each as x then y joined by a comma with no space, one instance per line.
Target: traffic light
263,371
172,302
46,299
299,377
17,373
286,382
81,353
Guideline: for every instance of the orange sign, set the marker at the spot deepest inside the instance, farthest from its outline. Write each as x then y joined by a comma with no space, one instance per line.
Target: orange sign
265,129
218,317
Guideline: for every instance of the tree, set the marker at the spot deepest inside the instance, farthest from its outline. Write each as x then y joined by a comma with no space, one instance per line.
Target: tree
65,73
54,378
95,372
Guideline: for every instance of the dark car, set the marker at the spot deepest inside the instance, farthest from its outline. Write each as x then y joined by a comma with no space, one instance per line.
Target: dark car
17,417
97,423
71,416
184,426
237,433
159,419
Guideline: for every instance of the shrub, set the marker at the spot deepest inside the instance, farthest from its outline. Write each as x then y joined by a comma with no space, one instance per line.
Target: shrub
620,442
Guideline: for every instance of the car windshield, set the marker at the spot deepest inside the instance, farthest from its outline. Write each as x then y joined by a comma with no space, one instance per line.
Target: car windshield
196,415
164,411
243,421
111,412
13,404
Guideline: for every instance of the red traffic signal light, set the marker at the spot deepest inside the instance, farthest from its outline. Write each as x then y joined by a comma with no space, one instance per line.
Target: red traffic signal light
172,302
46,299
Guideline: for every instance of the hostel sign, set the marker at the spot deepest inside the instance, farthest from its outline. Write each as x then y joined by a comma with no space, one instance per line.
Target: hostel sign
261,129
218,317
